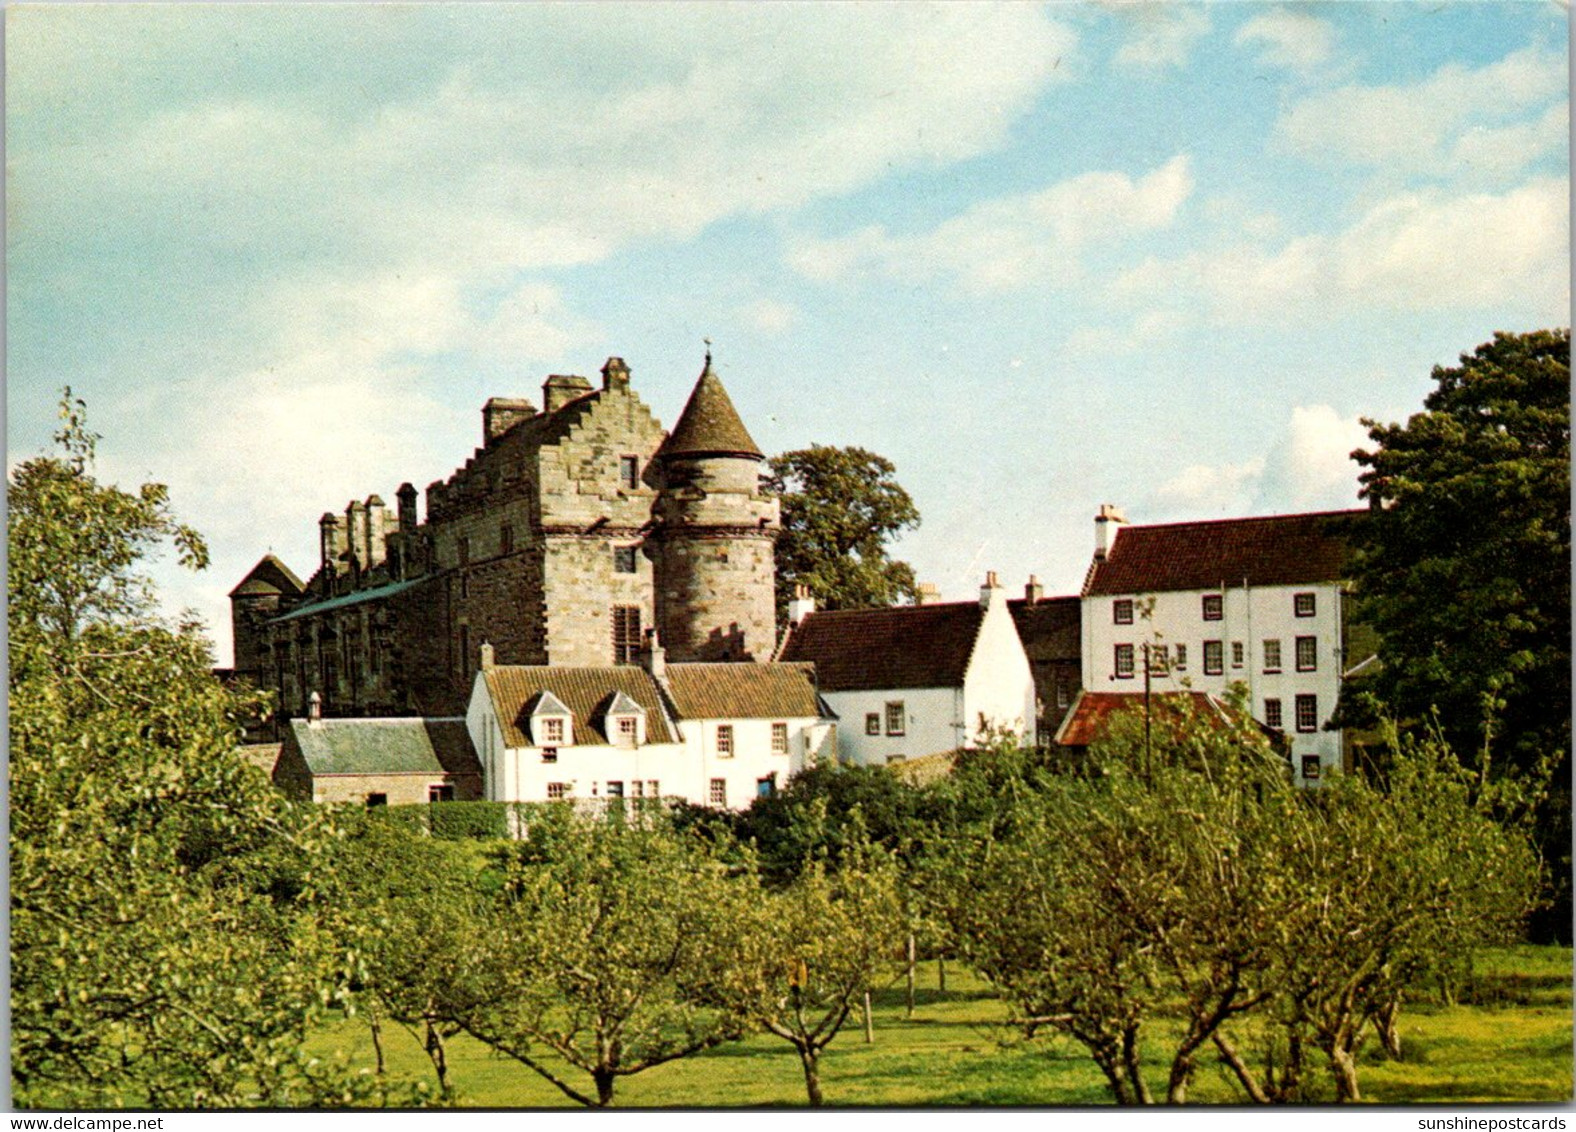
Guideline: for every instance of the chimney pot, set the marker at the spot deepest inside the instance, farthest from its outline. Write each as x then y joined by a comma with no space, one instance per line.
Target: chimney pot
488,656
1033,591
314,710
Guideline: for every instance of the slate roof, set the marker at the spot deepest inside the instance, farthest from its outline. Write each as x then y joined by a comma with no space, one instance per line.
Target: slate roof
385,746
709,425
1049,628
908,646
269,576
1092,712
584,691
743,691
377,593
1273,550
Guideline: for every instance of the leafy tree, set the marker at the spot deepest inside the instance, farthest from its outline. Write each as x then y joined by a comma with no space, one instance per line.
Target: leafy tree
1465,567
164,941
814,949
840,508
607,954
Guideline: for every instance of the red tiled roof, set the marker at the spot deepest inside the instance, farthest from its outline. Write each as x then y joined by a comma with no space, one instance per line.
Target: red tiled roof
1092,712
743,691
908,646
583,691
1049,628
1273,550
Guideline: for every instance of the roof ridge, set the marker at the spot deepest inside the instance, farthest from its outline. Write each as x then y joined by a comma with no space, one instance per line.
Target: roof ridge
1125,527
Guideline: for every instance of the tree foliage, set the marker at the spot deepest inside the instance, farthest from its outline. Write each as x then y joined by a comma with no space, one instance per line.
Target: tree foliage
164,943
1465,566
1195,881
608,951
840,509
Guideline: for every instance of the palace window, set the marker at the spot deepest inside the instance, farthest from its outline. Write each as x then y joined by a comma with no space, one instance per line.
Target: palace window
626,634
1272,714
1124,662
895,717
779,738
719,792
1237,653
1272,655
1122,611
1307,713
1307,654
1214,607
1214,658
1303,605
725,740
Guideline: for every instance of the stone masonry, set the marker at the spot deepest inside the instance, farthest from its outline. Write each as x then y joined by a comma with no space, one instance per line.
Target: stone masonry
570,532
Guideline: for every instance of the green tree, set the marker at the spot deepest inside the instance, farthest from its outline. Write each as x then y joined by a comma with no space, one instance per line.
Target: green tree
840,508
608,953
814,948
165,948
1465,567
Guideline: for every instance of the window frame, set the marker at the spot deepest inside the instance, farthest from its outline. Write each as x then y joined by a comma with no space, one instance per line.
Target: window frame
626,634
1312,662
895,710
1217,665
872,723
1311,761
1310,701
1274,716
1239,654
1212,607
557,791
1179,653
1272,667
625,560
1305,604
779,738
1123,661
629,472
1122,611
724,741
717,793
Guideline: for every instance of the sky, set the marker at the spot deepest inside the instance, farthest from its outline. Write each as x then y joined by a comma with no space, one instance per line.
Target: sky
1166,256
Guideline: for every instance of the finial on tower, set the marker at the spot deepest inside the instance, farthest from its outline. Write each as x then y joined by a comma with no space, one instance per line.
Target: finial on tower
708,351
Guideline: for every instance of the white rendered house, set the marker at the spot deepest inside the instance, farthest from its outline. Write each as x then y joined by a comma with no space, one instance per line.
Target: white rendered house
1258,602
916,680
712,734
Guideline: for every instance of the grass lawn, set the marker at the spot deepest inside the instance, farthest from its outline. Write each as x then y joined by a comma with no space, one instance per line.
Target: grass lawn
1507,1040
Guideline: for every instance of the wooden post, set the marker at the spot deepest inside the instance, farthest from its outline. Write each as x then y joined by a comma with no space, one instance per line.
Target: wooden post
941,974
870,1031
911,974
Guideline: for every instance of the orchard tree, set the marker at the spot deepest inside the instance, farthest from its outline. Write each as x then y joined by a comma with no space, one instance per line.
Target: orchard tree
1465,567
840,509
165,948
815,948
608,953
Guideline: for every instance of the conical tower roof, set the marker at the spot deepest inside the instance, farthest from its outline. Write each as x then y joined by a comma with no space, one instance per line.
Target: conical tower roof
710,425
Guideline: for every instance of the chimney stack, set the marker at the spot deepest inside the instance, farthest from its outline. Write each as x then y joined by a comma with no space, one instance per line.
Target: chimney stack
488,656
990,591
802,604
500,414
1033,591
560,389
1105,524
927,593
653,657
615,374
314,710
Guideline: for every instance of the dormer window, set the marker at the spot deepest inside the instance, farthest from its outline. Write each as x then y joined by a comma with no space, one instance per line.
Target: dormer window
623,721
551,722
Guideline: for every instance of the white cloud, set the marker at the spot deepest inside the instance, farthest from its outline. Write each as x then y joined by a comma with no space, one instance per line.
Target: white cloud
1163,35
1294,40
1418,127
1010,242
1308,468
1411,252
768,315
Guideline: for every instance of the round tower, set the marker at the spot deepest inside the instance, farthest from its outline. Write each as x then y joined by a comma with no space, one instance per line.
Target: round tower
711,547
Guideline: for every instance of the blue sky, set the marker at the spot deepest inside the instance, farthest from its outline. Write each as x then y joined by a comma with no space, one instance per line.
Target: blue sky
1042,258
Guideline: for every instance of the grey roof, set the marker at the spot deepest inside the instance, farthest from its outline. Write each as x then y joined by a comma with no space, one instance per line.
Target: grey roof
269,576
377,593
385,746
709,425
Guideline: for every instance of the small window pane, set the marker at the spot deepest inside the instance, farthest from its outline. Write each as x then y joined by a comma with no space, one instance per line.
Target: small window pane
779,738
1236,654
894,718
1307,654
1272,656
1214,658
1181,658
1272,714
1303,605
1307,713
873,723
1122,611
719,792
1213,607
1310,767
629,471
725,740
1124,662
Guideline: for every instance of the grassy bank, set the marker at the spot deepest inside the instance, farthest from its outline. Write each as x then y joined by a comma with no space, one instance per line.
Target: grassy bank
1507,1038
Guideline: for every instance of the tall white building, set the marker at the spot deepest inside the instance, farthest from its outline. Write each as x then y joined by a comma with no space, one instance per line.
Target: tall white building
1258,602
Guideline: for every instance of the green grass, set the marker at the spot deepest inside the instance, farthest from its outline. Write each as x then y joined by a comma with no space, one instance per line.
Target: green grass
1507,1039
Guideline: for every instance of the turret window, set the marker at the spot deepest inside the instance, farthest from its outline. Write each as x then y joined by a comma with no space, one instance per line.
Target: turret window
626,634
